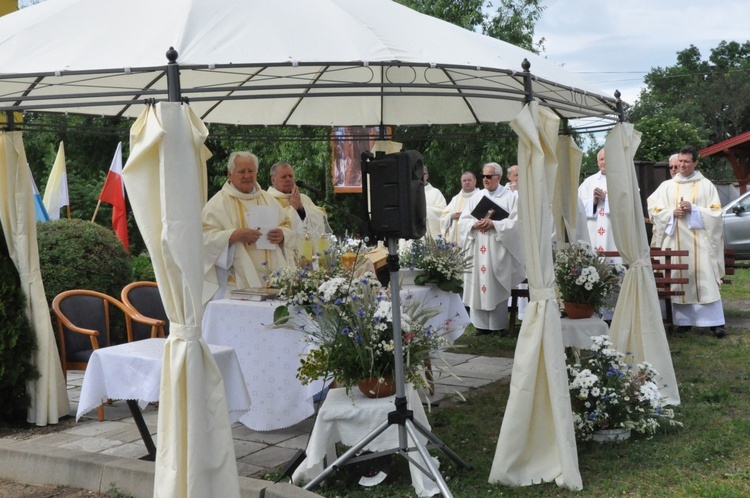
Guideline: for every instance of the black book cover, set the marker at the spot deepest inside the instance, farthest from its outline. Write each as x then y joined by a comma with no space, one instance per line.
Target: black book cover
485,206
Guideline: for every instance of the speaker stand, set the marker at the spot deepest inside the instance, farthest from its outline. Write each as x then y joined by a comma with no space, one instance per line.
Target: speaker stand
401,416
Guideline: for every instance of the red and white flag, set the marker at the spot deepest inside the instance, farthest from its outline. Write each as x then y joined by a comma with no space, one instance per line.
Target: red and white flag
113,193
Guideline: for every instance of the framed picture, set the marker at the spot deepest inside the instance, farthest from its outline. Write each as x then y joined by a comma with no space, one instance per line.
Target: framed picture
347,145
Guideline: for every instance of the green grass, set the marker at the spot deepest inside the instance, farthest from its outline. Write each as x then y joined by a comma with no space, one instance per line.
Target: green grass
709,456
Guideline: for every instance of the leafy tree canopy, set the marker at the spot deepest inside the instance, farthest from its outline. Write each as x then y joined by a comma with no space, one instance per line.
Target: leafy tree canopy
696,101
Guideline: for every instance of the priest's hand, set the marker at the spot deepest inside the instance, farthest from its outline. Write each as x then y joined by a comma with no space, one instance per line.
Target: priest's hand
456,216
295,199
245,236
275,236
484,225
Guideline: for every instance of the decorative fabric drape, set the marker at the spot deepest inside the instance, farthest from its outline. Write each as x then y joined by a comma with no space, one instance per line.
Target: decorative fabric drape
165,177
637,325
49,395
565,197
537,440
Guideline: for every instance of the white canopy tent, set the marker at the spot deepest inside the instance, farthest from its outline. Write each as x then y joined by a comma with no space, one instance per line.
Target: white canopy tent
275,62
270,62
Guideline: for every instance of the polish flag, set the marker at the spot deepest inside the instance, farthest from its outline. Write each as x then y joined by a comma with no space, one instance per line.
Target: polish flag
113,193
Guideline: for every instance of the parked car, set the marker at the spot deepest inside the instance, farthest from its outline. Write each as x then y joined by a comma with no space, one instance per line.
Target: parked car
736,220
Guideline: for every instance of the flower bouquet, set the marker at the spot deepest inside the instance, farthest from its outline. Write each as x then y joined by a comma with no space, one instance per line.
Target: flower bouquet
608,393
442,262
298,284
351,329
585,278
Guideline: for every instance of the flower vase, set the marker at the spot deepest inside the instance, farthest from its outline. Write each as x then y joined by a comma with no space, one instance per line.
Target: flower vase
372,388
577,311
611,435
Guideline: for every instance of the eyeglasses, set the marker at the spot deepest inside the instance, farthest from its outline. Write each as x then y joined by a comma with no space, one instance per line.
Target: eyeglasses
488,177
674,167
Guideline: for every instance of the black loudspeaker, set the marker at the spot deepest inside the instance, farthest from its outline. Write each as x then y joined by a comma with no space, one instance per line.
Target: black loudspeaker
397,207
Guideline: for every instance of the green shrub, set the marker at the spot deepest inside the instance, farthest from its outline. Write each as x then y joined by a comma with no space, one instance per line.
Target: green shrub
142,268
17,343
77,254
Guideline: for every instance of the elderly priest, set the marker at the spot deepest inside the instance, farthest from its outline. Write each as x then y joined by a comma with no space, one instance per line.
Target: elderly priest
489,227
306,218
244,231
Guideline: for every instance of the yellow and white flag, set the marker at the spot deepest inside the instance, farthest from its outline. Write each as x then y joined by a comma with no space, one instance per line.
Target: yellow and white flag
56,191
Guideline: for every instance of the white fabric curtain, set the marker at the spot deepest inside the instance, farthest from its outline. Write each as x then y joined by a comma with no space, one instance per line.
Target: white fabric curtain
637,325
537,439
49,395
565,198
165,177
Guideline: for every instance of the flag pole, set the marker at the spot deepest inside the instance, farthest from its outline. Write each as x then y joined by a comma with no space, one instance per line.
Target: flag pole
68,209
98,203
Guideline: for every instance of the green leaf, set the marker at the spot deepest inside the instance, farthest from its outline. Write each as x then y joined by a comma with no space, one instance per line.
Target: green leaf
280,314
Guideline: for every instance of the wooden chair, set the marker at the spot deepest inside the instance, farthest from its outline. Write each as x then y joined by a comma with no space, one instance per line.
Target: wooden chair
83,325
143,297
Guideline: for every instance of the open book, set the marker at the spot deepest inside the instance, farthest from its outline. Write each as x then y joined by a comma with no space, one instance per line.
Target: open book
254,294
488,209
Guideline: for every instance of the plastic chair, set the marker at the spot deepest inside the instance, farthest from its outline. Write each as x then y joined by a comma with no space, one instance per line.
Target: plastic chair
83,325
143,297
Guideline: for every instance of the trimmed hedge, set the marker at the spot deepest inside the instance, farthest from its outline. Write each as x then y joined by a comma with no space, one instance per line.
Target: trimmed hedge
78,254
17,343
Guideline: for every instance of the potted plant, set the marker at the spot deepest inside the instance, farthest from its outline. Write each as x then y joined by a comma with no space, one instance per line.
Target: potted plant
351,329
585,281
435,261
610,397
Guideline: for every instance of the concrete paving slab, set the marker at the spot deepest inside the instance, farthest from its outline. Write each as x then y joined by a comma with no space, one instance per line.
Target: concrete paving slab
270,457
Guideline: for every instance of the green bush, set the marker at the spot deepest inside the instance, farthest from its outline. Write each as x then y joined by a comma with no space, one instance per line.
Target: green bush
142,268
17,343
78,254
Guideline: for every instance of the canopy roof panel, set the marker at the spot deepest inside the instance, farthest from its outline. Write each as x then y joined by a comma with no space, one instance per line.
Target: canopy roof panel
275,62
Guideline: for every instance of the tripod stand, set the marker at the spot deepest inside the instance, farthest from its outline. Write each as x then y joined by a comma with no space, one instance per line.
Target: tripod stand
401,416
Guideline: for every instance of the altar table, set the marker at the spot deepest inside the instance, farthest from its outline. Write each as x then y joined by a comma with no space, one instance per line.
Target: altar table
269,358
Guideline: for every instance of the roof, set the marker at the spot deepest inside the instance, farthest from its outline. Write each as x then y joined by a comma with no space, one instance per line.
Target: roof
740,142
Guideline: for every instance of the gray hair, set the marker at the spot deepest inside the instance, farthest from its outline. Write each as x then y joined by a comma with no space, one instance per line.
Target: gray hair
277,166
241,153
498,169
673,157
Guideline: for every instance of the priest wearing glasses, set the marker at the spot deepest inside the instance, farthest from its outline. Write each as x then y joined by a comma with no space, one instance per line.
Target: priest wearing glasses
489,229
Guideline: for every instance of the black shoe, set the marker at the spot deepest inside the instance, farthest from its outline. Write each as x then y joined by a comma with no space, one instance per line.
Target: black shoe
483,331
719,331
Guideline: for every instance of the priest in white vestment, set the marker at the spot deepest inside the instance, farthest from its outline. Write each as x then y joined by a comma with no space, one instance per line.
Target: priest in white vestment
512,175
244,231
593,194
452,212
306,218
686,212
497,255
435,203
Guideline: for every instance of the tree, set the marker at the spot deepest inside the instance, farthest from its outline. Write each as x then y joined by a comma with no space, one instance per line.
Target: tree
701,100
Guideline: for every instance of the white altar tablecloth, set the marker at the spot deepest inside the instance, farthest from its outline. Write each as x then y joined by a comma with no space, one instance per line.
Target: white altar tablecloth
348,419
132,371
578,333
452,316
269,358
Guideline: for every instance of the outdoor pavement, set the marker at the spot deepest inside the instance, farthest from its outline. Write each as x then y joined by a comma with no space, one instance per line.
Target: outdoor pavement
91,454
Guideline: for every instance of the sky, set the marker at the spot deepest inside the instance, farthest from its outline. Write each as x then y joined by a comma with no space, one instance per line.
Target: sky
614,44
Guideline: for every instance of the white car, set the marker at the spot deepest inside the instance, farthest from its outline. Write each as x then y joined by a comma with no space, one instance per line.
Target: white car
736,220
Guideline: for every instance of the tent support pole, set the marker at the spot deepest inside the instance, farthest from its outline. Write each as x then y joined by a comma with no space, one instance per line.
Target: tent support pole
620,110
173,76
527,88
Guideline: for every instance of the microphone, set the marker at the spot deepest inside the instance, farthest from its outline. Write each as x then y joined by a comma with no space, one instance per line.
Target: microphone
314,190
